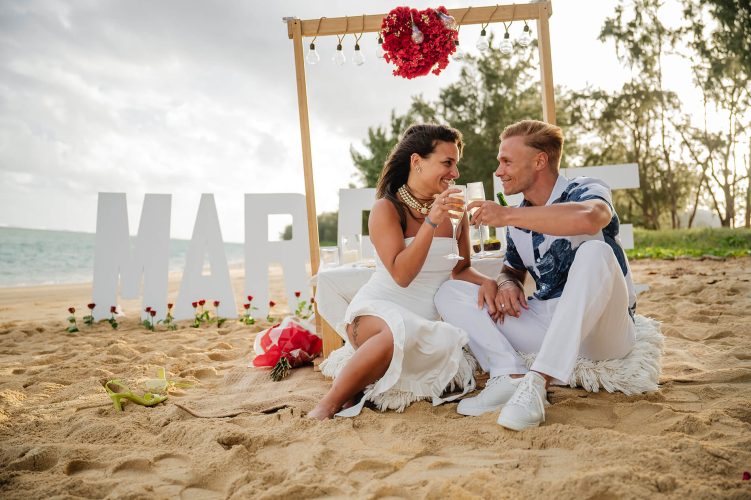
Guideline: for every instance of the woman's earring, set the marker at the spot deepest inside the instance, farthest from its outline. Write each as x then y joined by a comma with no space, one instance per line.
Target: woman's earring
419,169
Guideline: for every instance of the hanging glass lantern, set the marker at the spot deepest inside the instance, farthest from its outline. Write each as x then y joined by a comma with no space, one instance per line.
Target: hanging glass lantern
379,50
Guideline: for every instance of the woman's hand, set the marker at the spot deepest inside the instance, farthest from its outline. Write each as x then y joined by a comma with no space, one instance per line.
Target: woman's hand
486,295
444,202
509,300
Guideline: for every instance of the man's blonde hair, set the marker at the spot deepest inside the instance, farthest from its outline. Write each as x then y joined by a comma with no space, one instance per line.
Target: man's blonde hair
539,135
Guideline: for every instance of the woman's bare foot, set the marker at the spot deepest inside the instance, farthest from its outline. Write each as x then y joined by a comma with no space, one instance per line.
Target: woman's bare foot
322,411
353,400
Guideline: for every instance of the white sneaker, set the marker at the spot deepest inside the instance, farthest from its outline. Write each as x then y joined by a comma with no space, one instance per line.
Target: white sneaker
526,408
497,391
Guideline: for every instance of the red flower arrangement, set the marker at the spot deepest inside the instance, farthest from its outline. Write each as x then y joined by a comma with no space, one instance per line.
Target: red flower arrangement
286,346
410,57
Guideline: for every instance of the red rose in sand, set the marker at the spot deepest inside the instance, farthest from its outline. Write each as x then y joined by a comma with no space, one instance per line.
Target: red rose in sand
113,309
170,306
71,310
152,312
91,306
216,303
195,304
297,294
746,476
250,298
246,306
201,302
272,303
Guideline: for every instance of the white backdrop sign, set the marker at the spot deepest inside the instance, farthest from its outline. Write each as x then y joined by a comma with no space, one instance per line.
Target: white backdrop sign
292,254
147,263
143,270
206,242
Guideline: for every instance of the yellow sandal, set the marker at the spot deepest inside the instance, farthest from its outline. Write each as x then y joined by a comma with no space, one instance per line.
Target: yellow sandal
118,391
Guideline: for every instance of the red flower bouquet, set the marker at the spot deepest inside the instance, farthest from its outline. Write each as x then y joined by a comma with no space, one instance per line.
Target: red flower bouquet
287,345
403,28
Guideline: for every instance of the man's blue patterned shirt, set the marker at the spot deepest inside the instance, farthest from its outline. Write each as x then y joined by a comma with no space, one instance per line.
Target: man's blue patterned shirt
548,258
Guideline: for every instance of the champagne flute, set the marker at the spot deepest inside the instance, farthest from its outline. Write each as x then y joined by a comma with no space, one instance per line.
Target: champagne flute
455,222
476,192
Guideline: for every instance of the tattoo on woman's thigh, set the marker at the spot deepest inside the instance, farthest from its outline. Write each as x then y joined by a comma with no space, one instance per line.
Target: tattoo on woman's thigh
355,324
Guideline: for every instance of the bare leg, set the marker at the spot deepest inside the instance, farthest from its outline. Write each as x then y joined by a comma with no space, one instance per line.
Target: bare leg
374,345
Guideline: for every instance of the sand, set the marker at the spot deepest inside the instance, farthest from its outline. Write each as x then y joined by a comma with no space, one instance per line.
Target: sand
234,433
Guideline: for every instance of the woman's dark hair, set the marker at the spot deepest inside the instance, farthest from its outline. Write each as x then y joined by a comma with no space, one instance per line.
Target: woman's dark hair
421,139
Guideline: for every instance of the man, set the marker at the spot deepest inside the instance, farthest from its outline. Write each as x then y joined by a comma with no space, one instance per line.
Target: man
565,234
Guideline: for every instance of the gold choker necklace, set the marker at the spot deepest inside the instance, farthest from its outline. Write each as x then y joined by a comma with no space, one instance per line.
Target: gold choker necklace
411,202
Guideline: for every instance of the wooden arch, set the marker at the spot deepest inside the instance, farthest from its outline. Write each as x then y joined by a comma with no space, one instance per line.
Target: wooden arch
297,29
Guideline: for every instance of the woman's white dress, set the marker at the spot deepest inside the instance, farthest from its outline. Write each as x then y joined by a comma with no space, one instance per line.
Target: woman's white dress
428,356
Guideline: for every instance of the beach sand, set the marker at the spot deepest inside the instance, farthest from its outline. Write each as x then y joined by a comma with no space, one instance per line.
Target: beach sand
234,433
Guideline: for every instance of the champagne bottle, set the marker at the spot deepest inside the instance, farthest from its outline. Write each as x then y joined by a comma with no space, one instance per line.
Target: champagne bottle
501,199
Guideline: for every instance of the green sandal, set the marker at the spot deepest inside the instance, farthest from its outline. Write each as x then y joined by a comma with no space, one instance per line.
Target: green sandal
118,391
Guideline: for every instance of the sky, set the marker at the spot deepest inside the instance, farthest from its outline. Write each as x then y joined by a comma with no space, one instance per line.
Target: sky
189,97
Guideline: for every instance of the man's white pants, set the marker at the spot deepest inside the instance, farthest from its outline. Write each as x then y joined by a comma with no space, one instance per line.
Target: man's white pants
589,319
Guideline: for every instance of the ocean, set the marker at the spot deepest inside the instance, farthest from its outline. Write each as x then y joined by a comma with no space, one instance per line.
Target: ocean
30,257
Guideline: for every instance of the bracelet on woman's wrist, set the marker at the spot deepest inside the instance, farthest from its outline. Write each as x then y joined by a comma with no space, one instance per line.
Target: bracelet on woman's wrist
511,280
430,222
504,278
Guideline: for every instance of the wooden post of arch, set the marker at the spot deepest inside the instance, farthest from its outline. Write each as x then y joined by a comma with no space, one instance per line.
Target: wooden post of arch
297,29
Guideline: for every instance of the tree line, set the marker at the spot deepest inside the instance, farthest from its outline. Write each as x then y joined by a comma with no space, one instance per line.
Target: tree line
683,165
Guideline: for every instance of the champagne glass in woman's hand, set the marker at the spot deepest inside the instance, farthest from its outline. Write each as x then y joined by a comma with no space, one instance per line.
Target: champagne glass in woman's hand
476,192
462,195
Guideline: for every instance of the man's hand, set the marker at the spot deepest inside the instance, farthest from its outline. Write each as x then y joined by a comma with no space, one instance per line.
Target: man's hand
509,300
489,213
559,219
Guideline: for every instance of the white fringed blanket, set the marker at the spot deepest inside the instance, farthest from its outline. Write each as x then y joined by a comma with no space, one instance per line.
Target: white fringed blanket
637,373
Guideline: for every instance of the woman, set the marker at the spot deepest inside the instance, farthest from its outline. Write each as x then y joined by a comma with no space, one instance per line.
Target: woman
395,339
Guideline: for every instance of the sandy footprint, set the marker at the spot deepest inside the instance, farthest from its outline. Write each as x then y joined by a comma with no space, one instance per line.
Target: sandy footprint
83,468
135,467
200,373
173,467
35,460
198,493
221,356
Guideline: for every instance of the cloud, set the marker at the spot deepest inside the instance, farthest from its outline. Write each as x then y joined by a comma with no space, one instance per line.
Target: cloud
187,97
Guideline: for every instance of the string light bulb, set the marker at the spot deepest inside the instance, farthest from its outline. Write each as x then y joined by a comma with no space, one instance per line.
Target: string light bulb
359,57
506,46
339,58
312,57
482,42
379,50
526,38
448,21
458,54
417,35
